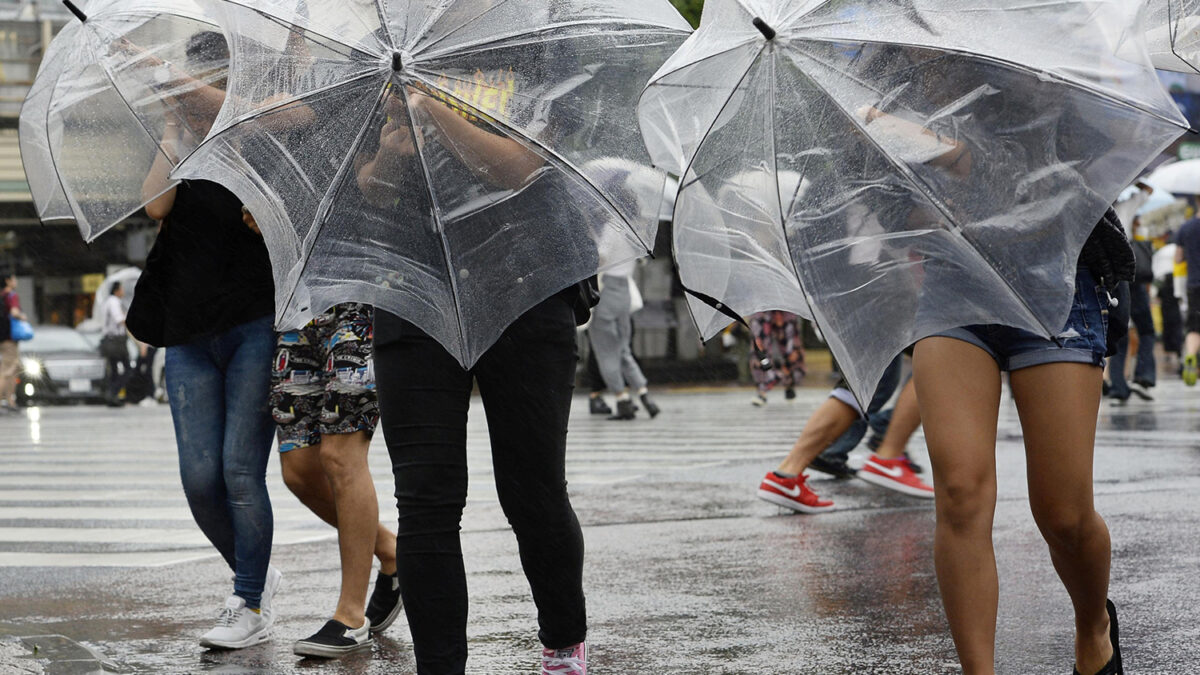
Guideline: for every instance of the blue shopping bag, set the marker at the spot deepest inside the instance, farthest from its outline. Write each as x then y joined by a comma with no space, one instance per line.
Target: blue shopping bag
21,330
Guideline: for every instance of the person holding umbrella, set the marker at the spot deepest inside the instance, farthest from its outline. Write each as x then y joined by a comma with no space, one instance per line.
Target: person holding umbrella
950,181
526,381
207,296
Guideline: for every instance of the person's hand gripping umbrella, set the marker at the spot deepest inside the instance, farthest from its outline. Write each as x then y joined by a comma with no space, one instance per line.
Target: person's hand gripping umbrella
444,168
121,95
895,169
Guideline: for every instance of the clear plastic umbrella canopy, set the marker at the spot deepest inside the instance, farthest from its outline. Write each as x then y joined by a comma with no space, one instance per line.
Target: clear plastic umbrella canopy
1173,34
453,162
138,82
895,169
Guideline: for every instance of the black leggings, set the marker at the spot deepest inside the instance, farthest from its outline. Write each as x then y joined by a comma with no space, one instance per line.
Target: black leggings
526,381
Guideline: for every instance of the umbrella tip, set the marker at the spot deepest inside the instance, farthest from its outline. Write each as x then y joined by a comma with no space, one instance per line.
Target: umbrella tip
76,11
397,62
763,28
1193,131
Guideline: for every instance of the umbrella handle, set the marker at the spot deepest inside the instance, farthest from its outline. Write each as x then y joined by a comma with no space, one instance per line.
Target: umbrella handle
761,25
76,11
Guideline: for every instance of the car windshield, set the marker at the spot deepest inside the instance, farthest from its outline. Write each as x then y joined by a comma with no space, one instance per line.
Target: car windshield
47,340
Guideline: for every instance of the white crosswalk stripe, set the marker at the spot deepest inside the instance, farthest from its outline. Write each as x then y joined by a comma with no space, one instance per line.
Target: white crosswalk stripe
100,487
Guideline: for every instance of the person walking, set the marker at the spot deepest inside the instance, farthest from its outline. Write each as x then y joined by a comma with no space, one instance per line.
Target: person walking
10,352
1145,369
323,401
1057,389
780,354
611,335
1187,241
114,346
207,295
888,467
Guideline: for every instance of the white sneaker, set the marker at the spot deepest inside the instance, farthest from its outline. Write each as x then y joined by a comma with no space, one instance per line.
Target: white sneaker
237,627
270,588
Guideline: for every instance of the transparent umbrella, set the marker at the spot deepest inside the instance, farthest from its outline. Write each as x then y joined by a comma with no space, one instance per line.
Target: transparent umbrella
120,96
895,169
1173,34
440,160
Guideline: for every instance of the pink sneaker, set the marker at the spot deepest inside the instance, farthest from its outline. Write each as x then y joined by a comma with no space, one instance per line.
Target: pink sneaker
566,661
895,474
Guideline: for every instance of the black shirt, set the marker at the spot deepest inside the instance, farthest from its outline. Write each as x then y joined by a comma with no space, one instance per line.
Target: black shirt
207,272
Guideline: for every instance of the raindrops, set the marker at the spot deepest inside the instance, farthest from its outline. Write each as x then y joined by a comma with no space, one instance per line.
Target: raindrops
463,273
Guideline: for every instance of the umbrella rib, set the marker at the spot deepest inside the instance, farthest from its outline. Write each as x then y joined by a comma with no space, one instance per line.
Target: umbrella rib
1173,26
434,18
927,192
1098,93
545,152
778,200
689,168
491,42
335,187
290,25
437,219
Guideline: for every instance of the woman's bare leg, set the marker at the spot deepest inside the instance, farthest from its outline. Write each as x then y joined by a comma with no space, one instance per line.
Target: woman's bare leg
958,388
1058,404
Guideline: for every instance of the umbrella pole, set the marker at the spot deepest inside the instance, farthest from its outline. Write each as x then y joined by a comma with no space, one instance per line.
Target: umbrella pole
76,11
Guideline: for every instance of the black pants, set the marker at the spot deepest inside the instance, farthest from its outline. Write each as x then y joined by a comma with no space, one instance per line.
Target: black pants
116,372
526,381
1172,316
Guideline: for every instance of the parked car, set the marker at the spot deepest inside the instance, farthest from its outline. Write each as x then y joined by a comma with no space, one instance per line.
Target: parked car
59,364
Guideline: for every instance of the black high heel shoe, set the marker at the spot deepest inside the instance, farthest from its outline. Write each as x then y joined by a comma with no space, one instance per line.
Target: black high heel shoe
1114,665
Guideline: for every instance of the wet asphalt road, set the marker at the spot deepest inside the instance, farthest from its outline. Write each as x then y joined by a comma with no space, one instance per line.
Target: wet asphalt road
686,571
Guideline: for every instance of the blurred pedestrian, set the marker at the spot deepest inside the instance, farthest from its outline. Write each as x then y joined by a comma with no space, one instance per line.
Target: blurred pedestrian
1145,368
323,401
611,334
887,467
10,353
114,346
594,381
1187,240
779,358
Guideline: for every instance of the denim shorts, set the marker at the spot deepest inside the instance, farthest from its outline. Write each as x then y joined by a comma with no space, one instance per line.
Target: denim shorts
1082,339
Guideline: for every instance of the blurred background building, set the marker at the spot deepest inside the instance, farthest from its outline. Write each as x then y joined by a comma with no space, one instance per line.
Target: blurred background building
58,274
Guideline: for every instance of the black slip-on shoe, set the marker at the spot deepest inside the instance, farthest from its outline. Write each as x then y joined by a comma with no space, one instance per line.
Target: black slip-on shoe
384,605
335,639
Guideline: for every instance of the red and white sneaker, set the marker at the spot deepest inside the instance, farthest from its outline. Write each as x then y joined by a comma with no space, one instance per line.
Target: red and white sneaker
895,474
792,493
566,661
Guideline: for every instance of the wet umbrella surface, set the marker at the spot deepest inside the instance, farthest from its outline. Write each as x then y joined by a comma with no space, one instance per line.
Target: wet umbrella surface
896,169
454,162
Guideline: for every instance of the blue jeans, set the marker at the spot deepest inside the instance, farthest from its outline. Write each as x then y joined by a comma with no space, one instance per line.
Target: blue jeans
1144,371
877,418
218,386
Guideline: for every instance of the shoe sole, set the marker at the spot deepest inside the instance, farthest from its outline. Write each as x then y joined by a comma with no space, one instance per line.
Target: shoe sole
320,651
389,620
885,482
779,500
261,636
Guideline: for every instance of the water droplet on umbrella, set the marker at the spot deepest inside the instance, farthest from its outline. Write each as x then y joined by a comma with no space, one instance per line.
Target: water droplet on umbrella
463,274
